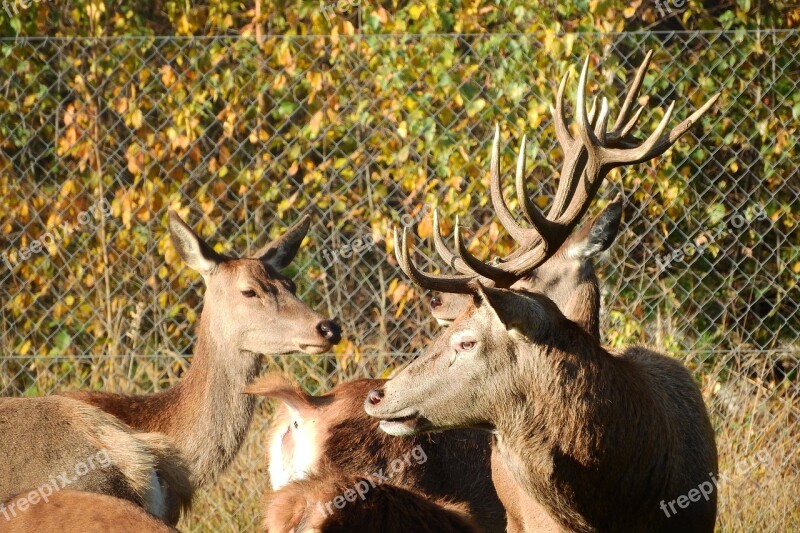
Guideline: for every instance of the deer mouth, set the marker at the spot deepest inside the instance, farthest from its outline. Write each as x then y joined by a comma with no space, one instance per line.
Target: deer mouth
314,349
404,426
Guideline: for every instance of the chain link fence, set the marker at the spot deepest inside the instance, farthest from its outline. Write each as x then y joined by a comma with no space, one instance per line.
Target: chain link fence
100,137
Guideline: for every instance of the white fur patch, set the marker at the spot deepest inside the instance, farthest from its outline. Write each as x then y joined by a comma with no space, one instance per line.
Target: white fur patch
305,453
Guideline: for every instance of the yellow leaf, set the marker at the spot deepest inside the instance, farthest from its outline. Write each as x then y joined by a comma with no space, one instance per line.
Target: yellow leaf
416,11
315,123
402,130
136,118
67,188
425,227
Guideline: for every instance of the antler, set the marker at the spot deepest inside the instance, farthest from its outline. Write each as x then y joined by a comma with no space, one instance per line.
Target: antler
588,158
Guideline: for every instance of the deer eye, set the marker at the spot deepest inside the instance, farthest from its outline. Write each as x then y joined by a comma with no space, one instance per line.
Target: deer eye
249,294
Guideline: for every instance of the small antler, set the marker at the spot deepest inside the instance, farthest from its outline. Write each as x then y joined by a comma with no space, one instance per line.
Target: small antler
588,158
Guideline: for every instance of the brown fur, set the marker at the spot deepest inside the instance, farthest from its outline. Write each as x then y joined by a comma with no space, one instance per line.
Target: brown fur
599,438
249,309
71,511
385,508
58,434
350,442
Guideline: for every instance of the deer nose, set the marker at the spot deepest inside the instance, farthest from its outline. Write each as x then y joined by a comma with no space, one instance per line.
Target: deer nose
436,302
330,331
374,396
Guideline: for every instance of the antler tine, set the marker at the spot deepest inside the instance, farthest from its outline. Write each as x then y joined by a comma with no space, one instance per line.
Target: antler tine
592,110
529,209
575,156
434,282
501,277
517,232
563,134
628,127
600,126
633,91
607,157
441,248
543,229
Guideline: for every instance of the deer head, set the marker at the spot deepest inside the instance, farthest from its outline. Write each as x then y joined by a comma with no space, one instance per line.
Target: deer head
568,277
480,350
496,324
249,306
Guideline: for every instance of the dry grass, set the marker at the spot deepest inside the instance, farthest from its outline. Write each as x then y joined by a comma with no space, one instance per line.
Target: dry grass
757,424
758,440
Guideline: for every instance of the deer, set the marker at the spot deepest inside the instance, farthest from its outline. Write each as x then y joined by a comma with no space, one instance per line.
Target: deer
598,439
249,309
361,505
311,435
51,443
74,511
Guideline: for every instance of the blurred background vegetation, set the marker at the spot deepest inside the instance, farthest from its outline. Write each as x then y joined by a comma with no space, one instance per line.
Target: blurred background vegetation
245,115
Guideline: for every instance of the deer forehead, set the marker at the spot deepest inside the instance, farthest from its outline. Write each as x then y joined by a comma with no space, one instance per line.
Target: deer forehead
462,336
246,273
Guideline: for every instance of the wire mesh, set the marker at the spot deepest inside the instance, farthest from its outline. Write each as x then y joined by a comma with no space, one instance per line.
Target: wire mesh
100,137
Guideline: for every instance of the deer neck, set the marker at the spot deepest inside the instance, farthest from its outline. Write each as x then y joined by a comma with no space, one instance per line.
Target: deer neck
206,413
583,307
579,301
563,401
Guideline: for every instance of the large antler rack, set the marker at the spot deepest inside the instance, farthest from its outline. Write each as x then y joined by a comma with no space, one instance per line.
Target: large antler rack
588,158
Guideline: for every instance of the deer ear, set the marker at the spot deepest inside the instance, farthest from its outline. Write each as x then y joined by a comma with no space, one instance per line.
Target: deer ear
282,388
599,233
280,252
194,251
519,313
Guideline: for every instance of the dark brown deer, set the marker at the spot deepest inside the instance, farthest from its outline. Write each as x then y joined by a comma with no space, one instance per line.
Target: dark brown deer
249,309
52,443
360,505
72,511
600,440
331,433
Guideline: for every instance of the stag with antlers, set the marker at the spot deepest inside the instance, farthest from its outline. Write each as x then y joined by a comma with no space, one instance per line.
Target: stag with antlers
597,439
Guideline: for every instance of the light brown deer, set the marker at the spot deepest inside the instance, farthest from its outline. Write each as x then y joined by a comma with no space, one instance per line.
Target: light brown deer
598,439
52,443
72,511
331,433
249,309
